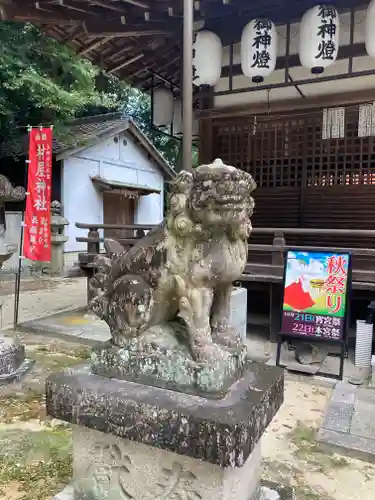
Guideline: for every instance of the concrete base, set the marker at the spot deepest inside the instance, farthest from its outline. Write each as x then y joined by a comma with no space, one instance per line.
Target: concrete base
223,431
137,442
265,493
238,311
106,466
268,491
112,468
373,371
348,426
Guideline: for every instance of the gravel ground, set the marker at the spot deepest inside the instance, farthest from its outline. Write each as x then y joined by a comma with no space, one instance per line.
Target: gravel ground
35,452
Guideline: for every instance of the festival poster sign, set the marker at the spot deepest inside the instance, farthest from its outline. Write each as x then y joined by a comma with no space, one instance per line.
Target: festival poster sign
37,230
315,294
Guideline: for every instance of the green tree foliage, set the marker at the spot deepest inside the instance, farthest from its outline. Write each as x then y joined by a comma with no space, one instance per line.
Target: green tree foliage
138,107
42,81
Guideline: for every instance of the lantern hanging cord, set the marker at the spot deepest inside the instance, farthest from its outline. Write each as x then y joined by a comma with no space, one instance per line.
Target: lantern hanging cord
317,112
29,127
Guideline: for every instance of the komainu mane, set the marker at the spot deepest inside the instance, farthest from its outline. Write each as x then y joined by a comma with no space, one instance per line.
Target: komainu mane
182,270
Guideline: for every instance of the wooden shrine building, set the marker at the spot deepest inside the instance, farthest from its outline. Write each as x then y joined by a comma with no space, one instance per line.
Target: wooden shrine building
284,89
307,176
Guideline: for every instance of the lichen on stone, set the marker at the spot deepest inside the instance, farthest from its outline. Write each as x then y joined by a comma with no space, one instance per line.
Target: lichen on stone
167,299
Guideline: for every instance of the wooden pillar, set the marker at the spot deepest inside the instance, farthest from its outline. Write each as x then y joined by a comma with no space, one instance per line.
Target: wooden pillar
205,126
187,86
275,310
278,241
276,288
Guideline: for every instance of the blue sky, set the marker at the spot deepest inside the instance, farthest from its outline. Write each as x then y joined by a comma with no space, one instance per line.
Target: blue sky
306,266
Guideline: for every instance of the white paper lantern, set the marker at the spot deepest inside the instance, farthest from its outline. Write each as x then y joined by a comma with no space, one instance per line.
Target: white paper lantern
162,111
370,30
207,57
258,49
319,38
177,118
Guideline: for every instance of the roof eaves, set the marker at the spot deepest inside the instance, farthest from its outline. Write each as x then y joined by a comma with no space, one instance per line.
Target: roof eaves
135,131
64,153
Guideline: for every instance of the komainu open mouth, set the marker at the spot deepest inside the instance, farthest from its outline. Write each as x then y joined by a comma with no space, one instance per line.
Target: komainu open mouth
229,200
233,203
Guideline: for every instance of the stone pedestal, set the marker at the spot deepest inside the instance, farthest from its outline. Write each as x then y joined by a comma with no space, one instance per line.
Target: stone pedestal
373,371
163,362
133,441
113,468
238,311
13,364
170,408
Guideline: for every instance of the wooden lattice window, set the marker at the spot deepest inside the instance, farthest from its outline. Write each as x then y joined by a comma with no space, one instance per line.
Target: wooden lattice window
277,153
288,151
232,143
335,162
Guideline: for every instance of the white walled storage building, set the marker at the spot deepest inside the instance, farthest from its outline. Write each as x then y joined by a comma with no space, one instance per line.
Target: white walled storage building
116,176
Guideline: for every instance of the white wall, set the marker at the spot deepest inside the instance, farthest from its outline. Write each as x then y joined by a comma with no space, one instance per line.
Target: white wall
121,162
300,73
149,209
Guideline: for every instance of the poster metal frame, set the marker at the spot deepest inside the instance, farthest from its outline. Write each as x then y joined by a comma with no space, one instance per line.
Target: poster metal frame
342,342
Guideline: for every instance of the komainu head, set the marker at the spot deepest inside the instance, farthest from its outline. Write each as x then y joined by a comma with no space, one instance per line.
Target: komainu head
215,197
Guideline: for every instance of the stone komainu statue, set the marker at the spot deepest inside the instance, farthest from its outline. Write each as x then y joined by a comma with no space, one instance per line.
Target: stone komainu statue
185,267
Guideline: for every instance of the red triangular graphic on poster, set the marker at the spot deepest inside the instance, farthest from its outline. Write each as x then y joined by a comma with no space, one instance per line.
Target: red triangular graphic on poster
296,297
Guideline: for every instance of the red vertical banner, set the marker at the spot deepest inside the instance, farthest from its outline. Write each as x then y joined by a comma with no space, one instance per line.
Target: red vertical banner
37,223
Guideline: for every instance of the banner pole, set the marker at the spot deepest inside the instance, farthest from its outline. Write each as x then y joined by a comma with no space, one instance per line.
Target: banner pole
17,285
18,282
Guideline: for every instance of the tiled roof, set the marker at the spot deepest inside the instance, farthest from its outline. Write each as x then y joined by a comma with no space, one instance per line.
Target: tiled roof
87,131
84,131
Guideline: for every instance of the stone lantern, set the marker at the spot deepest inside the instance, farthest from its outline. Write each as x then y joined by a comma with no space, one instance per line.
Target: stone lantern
58,239
8,193
13,363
